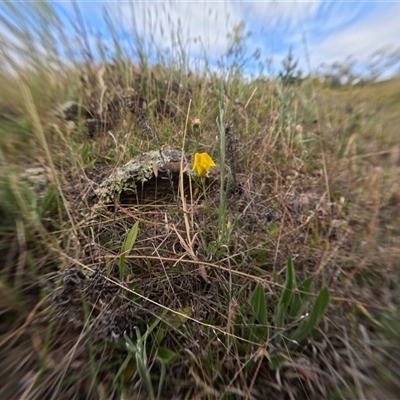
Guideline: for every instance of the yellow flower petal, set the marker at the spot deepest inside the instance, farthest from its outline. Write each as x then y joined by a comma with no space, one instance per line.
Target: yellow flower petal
202,163
196,161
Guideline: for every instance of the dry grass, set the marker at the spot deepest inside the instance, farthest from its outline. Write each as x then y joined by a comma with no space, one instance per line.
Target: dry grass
325,193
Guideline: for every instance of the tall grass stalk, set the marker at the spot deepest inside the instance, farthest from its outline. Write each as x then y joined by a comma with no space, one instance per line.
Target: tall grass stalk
42,140
225,179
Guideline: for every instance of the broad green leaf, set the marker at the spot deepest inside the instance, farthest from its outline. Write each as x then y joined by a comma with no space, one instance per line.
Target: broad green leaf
286,296
128,244
129,370
177,320
259,304
126,370
300,300
160,334
310,323
166,355
259,333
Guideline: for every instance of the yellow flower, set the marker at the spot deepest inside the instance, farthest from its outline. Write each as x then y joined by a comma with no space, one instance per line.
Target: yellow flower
202,163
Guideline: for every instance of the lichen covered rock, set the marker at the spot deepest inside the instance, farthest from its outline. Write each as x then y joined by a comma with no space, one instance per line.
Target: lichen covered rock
151,174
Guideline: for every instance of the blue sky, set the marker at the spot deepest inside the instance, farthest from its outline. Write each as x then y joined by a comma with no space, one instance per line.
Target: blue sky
327,31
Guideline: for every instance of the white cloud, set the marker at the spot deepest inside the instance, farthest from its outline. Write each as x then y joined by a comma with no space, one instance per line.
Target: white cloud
333,30
210,21
272,13
360,39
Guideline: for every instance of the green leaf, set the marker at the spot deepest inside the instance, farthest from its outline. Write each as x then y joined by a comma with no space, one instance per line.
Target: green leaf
139,351
310,323
160,334
286,296
259,304
177,320
300,300
166,355
128,244
127,368
129,344
49,200
276,361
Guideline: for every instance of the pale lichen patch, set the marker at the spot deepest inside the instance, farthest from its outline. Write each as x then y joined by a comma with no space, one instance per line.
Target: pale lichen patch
37,178
128,178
